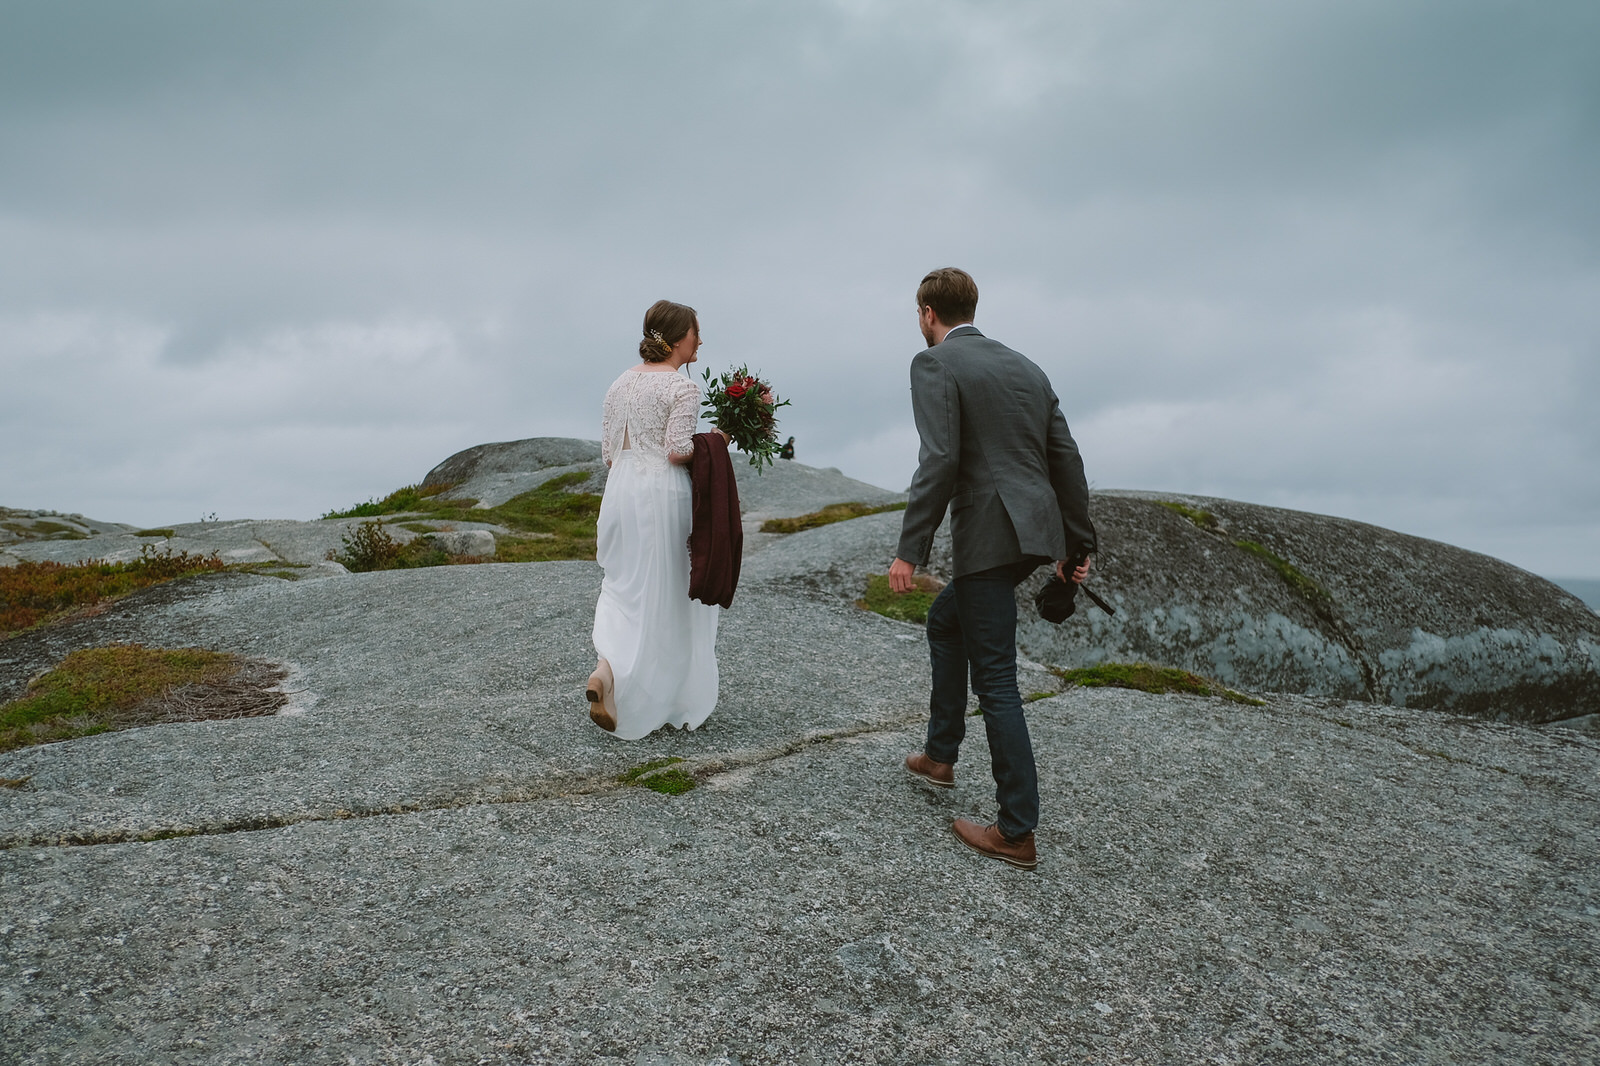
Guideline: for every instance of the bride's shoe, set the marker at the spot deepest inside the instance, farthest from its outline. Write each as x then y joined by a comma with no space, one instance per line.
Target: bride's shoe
602,697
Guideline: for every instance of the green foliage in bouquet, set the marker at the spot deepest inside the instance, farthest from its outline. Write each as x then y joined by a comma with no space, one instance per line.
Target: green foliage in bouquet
744,407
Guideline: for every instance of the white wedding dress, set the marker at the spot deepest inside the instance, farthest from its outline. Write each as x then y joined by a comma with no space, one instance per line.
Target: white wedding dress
661,644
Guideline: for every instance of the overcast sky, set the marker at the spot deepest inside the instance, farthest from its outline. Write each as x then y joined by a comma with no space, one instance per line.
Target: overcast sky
265,260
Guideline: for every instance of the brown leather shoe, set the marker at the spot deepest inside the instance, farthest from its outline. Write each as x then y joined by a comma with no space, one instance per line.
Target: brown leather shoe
942,774
986,840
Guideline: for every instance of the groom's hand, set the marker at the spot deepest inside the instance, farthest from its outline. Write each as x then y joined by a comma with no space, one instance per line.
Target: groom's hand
900,576
1076,576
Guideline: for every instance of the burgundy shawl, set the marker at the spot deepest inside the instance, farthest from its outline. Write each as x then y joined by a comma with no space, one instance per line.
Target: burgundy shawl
716,540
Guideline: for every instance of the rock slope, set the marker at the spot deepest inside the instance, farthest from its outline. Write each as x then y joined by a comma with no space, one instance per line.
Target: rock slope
432,855
1397,620
432,858
1271,599
494,473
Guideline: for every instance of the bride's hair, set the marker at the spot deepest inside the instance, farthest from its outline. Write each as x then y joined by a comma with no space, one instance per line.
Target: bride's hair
665,324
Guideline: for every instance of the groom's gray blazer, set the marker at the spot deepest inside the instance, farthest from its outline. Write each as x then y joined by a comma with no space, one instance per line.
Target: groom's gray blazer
997,452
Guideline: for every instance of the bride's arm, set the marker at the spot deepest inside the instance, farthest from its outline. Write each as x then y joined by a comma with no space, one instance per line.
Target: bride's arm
681,422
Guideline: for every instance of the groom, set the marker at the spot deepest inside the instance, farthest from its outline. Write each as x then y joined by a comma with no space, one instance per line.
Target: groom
997,452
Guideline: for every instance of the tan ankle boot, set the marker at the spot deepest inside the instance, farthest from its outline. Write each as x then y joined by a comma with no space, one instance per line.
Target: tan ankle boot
602,696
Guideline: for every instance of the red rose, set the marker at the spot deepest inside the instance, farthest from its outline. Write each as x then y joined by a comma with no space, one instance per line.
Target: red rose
734,391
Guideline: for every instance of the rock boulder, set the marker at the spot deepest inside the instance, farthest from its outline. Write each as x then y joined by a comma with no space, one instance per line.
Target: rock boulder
1272,599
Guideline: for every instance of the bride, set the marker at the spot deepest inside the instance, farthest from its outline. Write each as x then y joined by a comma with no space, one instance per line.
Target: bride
657,647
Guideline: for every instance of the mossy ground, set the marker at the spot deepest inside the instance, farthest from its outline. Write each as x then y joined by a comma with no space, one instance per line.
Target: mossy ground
1147,678
43,529
94,689
902,606
660,775
36,593
1203,519
554,523
400,501
1299,583
834,512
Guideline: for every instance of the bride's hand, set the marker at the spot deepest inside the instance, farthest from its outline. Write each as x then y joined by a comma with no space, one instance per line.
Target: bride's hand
725,438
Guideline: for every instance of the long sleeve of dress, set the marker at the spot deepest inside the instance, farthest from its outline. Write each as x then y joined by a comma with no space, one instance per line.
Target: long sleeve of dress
684,417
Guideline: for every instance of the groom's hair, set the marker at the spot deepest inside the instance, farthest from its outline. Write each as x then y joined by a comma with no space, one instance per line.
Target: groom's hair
951,293
665,324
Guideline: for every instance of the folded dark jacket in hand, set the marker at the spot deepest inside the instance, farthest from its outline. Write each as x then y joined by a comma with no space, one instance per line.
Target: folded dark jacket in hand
716,540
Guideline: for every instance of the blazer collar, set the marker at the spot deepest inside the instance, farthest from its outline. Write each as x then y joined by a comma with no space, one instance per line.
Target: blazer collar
966,329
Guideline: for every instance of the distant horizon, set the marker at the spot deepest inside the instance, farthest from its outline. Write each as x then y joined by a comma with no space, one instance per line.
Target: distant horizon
1587,585
1338,258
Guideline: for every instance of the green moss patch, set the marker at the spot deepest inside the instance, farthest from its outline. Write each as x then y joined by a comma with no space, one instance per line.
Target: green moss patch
121,686
168,533
400,501
1147,678
660,775
553,523
1203,519
670,782
834,512
1298,582
563,521
902,606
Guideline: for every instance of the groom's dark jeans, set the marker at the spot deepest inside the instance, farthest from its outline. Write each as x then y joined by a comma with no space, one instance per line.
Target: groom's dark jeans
972,624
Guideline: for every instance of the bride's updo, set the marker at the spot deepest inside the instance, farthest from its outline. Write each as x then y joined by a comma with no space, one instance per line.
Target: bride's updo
665,324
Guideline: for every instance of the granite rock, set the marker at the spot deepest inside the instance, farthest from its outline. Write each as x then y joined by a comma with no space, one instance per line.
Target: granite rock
431,857
474,542
495,473
23,525
1379,615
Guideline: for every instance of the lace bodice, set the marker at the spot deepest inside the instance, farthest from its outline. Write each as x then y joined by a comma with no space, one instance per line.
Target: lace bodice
651,412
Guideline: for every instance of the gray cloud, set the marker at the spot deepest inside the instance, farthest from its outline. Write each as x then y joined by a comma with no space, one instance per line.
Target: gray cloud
270,259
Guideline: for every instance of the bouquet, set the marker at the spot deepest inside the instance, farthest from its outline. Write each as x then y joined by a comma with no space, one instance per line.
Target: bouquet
742,406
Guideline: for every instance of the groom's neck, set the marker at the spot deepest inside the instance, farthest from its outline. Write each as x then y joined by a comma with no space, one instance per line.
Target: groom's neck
940,331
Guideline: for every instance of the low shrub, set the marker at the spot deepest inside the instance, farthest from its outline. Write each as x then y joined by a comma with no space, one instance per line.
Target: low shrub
32,593
368,547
